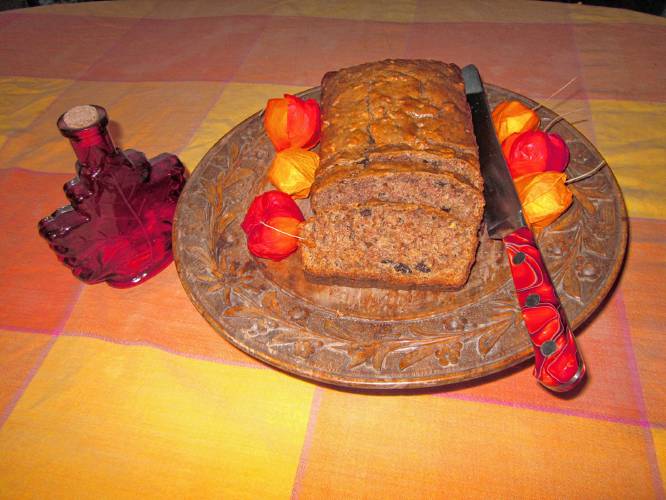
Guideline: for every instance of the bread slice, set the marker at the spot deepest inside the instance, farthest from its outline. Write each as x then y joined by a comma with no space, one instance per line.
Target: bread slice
399,184
392,245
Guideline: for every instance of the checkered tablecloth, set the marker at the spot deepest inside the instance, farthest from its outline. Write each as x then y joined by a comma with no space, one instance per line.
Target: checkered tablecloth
113,393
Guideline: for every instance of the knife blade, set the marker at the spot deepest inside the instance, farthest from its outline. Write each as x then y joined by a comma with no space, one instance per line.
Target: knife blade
557,363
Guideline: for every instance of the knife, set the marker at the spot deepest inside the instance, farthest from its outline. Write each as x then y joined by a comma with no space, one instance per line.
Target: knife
557,363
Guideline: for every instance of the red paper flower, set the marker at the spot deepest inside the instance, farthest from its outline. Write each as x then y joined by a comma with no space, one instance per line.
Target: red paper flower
278,210
535,151
291,122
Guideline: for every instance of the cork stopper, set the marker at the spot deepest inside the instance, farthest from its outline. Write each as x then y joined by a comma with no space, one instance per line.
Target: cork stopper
81,117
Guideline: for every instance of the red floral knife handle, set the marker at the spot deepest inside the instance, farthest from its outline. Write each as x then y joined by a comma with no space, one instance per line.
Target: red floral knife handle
557,364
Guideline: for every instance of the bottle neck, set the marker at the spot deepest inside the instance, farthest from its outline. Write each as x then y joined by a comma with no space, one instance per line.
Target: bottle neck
88,135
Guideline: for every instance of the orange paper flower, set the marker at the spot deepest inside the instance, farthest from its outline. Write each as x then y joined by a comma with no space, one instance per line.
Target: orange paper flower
544,197
512,117
293,171
291,122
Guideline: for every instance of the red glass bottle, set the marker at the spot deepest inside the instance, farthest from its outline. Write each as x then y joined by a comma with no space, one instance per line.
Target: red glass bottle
117,227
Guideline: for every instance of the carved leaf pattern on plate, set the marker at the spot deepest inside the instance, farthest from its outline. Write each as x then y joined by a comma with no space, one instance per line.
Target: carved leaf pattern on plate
476,331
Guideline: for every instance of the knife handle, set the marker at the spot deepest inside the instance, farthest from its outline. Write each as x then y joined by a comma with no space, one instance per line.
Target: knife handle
557,363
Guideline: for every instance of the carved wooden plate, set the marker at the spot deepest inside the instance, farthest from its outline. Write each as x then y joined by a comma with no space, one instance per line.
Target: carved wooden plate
375,338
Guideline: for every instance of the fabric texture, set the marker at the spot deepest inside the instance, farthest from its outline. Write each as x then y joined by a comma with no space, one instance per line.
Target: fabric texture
111,393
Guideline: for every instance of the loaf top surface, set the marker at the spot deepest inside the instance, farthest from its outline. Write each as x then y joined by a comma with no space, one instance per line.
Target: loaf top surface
392,108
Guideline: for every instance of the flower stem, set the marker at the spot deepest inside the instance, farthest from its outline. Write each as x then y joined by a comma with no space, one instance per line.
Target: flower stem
280,231
587,174
559,118
555,93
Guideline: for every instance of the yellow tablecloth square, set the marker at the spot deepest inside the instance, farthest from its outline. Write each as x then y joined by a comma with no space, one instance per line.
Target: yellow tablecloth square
128,421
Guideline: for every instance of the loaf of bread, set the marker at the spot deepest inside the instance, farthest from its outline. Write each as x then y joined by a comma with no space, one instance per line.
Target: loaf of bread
392,245
397,135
